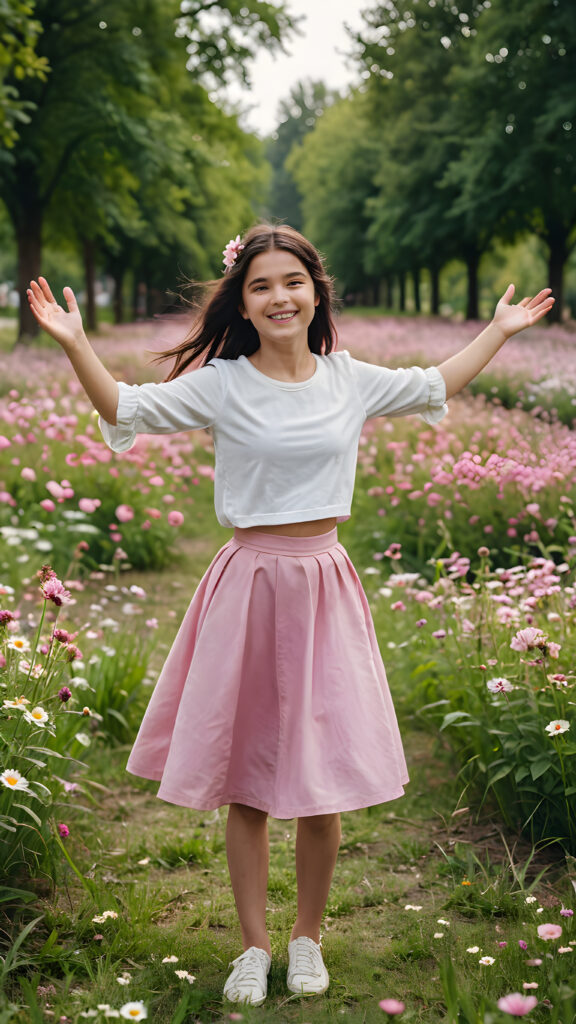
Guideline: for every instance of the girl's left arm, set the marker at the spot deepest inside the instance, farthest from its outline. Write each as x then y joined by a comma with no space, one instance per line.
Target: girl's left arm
460,369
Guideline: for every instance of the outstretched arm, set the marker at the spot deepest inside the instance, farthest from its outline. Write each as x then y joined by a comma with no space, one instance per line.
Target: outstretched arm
460,369
66,328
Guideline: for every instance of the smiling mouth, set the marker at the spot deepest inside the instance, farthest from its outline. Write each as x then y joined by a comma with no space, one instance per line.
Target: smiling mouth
283,317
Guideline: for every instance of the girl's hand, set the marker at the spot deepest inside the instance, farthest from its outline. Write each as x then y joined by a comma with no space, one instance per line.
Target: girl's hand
511,319
65,327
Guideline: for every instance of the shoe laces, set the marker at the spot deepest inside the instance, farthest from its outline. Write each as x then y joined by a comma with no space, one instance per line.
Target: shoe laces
249,964
306,960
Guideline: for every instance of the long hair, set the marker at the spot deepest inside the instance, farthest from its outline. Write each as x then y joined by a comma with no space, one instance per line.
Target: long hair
220,329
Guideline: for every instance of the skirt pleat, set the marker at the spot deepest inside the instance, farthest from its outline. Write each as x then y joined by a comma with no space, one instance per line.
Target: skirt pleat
274,693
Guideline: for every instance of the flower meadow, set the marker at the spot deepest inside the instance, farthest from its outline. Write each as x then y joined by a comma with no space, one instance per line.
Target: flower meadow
116,906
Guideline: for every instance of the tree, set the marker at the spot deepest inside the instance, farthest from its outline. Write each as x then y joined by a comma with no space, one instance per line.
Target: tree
520,86
111,68
334,169
297,117
410,53
19,32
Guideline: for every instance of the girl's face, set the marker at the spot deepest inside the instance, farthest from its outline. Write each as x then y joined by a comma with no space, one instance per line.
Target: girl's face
278,297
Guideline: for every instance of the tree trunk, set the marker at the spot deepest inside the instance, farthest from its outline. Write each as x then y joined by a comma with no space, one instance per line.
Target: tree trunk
472,258
557,256
376,292
29,236
88,250
388,291
118,301
435,290
402,283
416,283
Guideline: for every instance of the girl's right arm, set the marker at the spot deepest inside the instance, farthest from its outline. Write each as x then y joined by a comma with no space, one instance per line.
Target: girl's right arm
66,328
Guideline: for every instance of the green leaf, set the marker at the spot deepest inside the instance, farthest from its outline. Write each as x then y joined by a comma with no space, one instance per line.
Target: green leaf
502,772
7,894
455,716
32,813
540,767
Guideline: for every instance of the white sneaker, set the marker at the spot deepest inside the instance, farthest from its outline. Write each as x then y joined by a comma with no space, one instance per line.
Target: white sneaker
248,982
307,974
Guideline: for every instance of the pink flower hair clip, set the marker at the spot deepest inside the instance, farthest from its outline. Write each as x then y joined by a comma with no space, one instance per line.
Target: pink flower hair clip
231,252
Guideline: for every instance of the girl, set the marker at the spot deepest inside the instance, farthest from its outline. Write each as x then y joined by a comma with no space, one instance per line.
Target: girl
273,698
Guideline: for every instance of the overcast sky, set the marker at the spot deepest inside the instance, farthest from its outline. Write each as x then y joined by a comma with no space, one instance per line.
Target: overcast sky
318,53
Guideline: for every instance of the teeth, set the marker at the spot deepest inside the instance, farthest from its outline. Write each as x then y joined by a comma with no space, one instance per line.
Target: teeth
282,316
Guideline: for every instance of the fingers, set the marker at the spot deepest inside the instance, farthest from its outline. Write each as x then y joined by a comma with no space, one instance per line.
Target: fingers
70,299
508,294
46,289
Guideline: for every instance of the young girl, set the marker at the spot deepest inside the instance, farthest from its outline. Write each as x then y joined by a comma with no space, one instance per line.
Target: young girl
273,698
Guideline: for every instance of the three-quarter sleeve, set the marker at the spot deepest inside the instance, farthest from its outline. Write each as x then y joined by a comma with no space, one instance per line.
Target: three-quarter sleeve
386,392
188,402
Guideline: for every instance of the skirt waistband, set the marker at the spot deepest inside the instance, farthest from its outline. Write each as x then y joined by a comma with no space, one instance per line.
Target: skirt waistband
281,544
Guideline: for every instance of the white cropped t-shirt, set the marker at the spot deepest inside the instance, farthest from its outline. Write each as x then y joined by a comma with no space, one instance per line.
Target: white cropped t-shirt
285,452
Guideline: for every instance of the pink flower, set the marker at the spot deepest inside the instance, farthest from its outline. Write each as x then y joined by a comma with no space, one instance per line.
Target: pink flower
516,1004
55,591
554,649
536,962
527,639
391,1006
232,251
549,931
499,685
394,551
156,481
175,518
522,944
89,504
48,505
566,912
27,473
63,831
64,694
124,513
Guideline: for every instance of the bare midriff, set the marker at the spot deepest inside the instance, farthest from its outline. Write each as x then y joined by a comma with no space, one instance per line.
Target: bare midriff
310,529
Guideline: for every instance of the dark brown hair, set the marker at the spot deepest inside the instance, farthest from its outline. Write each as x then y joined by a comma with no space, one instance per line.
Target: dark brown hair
222,331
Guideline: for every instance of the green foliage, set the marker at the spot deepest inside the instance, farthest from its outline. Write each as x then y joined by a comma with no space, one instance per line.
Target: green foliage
297,117
334,168
19,32
40,742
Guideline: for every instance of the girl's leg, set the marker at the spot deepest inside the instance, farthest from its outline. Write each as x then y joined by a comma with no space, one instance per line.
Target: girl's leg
317,843
248,857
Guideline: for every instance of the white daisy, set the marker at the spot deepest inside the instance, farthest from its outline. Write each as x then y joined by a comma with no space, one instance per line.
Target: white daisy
13,780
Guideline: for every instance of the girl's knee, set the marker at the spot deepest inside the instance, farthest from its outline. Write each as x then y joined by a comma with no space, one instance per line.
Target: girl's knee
249,814
320,822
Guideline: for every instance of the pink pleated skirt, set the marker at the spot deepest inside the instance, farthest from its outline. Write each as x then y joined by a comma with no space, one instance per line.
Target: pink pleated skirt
274,692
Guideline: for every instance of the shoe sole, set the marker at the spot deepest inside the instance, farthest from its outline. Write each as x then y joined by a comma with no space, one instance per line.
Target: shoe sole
245,1002
302,992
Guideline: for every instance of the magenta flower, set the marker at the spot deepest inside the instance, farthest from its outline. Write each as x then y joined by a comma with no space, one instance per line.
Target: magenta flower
62,636
391,1006
566,912
522,944
516,1004
55,591
73,653
549,931
64,694
63,831
6,616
